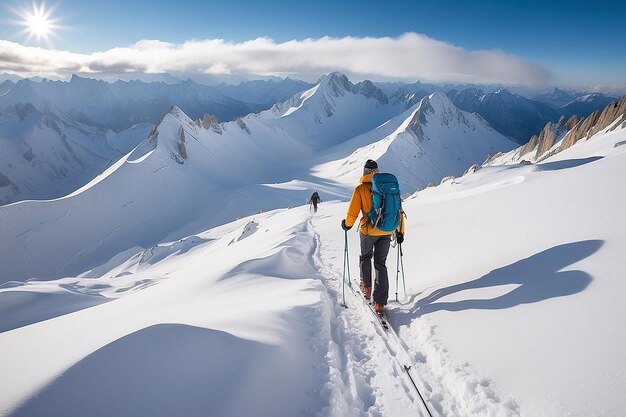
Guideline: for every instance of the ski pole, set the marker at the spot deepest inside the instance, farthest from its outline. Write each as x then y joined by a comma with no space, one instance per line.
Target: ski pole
402,266
348,261
346,267
397,271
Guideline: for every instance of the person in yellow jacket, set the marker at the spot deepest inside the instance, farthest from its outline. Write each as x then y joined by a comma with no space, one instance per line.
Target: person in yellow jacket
374,242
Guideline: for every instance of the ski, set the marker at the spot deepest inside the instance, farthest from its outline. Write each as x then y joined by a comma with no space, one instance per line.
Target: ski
381,317
391,335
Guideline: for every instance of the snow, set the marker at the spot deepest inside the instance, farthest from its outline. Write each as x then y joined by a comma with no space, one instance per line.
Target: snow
125,205
429,141
185,286
303,98
45,156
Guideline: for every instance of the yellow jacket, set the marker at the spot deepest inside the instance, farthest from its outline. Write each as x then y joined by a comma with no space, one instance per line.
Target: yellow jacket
361,202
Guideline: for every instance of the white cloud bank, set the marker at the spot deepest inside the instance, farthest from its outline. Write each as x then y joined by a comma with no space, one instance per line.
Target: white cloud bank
411,56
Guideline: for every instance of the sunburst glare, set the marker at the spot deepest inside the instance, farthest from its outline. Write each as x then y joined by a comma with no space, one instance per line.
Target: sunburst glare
38,22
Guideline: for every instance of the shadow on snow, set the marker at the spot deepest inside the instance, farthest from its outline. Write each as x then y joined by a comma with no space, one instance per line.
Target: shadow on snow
566,164
175,369
538,278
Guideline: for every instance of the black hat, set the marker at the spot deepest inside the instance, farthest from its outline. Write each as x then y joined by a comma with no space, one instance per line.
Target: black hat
370,166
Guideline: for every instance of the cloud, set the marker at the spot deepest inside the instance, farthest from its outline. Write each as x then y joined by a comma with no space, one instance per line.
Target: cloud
411,56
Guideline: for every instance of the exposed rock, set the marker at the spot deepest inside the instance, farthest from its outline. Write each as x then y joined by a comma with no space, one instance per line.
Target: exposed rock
471,169
551,134
4,180
28,155
532,144
446,179
491,157
525,162
369,90
181,143
242,125
208,120
596,122
176,157
337,83
23,110
419,118
547,138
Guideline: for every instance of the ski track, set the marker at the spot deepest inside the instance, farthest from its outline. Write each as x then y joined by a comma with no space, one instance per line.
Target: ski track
369,362
374,387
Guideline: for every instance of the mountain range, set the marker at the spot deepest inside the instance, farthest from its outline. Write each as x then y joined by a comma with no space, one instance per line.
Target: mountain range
97,121
215,172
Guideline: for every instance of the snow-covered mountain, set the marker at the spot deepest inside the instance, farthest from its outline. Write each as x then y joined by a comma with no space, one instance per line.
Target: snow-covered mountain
83,112
516,117
190,172
424,144
43,155
122,104
264,93
574,103
556,97
333,110
586,104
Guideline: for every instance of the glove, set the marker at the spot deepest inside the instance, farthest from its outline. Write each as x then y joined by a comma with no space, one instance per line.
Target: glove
399,237
343,225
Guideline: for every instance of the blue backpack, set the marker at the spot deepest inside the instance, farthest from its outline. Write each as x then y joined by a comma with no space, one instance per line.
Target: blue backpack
386,210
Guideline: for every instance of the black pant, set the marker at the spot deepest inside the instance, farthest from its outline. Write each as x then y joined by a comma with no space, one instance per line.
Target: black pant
377,246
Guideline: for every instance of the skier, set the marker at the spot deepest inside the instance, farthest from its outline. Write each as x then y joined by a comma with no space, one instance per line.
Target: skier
374,242
315,198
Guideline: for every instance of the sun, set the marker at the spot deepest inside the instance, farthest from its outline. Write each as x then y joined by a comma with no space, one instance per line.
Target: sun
38,22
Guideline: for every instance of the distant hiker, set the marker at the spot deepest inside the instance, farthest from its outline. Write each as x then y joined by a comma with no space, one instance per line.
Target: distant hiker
382,215
315,198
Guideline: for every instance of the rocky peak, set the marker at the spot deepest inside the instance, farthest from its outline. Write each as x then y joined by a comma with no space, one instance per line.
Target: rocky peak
369,90
436,103
419,118
613,114
78,80
548,137
176,112
336,82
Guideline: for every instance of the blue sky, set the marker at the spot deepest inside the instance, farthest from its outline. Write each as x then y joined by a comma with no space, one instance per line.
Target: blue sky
576,41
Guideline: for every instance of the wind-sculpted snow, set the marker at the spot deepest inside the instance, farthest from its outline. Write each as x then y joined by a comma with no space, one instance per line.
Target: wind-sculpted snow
265,344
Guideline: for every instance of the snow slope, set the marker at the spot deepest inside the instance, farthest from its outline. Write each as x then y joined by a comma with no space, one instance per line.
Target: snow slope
187,175
513,308
44,155
426,143
530,299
